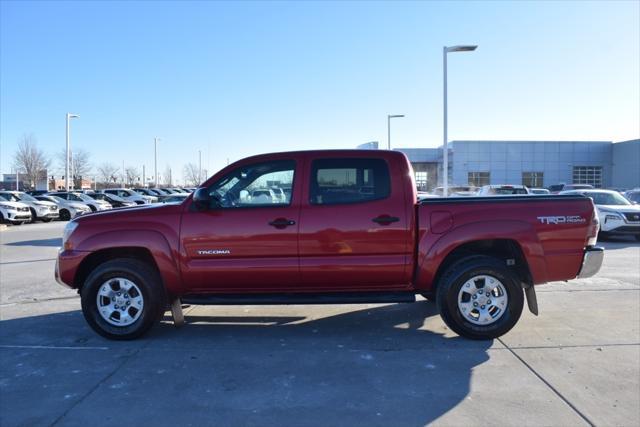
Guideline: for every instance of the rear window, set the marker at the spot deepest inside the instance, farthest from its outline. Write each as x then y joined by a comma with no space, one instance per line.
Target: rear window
341,181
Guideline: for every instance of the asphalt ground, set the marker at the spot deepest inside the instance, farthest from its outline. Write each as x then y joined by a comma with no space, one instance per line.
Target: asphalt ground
578,363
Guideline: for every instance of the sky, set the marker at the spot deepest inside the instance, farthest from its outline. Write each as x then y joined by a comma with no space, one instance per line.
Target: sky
236,79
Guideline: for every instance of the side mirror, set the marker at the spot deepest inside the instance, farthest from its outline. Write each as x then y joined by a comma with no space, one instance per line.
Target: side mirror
202,199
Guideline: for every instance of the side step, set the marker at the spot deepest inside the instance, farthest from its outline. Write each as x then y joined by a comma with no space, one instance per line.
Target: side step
299,298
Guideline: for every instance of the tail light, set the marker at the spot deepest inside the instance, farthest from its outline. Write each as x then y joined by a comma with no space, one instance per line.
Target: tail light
594,228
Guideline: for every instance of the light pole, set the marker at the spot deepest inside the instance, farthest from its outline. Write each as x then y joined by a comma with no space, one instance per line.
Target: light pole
68,153
445,151
389,117
155,161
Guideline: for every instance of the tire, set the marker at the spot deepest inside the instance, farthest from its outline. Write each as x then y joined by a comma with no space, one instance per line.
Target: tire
46,219
503,305
112,278
34,217
603,236
65,215
17,222
93,208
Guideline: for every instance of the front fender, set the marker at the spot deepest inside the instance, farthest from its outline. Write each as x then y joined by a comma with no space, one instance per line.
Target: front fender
433,248
150,240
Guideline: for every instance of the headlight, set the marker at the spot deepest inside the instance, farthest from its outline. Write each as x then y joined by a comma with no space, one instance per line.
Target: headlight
68,230
8,207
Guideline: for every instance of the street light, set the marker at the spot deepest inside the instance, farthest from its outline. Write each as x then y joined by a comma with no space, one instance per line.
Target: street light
68,154
445,151
155,160
389,117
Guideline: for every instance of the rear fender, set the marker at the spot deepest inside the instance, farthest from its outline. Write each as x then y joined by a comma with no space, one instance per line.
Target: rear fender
433,248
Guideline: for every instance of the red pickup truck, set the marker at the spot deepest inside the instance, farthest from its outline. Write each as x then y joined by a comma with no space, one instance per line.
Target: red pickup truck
317,227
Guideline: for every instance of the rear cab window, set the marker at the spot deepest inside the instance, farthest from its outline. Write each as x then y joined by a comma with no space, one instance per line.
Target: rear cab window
348,180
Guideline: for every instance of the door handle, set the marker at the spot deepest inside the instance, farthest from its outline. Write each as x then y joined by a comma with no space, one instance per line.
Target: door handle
385,220
282,222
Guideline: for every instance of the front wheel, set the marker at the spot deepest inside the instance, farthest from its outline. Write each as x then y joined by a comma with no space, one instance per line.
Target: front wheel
480,298
46,219
122,299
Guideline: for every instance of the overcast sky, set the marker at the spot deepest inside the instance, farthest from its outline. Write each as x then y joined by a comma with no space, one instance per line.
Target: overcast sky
236,79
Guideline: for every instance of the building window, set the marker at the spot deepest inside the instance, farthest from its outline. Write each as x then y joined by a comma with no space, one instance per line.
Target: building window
591,175
421,181
479,178
533,179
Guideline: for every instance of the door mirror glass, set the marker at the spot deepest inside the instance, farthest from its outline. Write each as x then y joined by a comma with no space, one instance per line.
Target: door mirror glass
202,199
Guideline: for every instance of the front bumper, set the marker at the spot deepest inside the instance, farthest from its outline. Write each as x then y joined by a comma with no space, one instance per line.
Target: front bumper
591,261
67,265
18,216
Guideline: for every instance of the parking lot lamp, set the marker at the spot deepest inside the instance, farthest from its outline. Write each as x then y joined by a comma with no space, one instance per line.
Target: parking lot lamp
389,117
445,151
68,152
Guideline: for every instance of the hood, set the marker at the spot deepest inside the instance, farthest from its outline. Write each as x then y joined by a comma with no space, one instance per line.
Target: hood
14,204
133,213
77,205
619,208
44,203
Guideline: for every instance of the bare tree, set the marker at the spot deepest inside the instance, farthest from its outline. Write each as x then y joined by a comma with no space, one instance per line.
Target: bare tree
80,166
132,175
190,174
108,173
30,160
167,179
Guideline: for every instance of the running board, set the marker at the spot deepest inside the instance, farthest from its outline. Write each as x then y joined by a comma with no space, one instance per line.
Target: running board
299,298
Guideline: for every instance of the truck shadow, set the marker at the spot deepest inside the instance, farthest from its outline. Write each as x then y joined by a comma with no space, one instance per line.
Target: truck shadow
381,365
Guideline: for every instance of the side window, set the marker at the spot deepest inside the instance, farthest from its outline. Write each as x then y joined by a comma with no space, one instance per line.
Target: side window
260,184
338,181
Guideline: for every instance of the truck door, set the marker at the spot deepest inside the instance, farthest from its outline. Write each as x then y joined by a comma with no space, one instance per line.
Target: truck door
248,240
354,230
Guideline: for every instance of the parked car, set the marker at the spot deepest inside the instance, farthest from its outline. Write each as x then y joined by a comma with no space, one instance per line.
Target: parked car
67,209
330,243
502,190
618,216
456,191
94,205
15,213
175,198
131,195
263,196
150,192
539,191
113,200
633,196
40,210
36,192
555,189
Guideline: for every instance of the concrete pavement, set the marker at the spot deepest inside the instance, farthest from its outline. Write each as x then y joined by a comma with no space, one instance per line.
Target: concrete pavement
578,363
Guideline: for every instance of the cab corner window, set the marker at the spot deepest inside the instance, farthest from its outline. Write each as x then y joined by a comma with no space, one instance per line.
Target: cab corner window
343,181
266,184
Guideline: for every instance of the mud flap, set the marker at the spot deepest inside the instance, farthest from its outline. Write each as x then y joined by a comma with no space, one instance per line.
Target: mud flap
532,301
176,312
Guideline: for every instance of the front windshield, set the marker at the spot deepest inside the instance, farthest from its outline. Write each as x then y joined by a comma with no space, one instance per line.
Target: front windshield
634,196
26,197
10,197
607,198
2,199
83,197
114,198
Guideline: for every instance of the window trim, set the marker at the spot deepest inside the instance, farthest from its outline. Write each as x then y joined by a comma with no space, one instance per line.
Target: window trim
271,206
313,171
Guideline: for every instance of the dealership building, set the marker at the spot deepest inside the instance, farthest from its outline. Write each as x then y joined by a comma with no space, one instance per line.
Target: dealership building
602,164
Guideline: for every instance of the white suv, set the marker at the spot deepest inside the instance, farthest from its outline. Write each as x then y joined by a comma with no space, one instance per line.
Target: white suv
14,212
131,195
617,215
40,210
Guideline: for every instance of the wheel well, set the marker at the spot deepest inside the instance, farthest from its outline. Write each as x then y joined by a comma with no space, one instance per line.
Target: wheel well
503,249
96,258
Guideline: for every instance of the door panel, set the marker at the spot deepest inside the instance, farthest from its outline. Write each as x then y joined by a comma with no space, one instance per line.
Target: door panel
354,230
245,244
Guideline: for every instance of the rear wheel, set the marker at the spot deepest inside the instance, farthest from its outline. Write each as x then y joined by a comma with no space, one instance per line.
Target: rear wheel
480,298
34,217
122,299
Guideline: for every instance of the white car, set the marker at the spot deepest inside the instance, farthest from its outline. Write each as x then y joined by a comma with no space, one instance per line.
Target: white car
131,195
15,213
94,205
40,210
503,190
263,196
617,215
68,208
